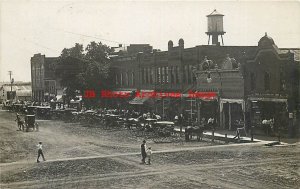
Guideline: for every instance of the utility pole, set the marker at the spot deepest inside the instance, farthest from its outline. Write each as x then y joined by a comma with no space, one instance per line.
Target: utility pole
10,73
11,80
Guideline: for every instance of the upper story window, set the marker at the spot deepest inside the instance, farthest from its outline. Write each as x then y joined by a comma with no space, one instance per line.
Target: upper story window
163,75
167,74
117,79
282,81
158,75
267,81
132,78
172,74
177,74
252,81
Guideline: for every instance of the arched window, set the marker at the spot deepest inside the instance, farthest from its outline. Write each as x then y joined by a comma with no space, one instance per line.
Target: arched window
267,81
282,81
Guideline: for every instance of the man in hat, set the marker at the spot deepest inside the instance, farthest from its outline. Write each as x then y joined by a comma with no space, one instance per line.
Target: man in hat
40,152
143,151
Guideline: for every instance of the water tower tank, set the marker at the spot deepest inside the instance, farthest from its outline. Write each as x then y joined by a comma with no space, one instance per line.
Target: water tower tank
215,26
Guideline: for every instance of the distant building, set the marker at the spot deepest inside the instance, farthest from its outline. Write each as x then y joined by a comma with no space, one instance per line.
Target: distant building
43,80
20,91
132,49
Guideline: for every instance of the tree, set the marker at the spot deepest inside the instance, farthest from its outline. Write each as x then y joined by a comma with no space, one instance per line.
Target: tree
99,64
75,52
79,71
98,69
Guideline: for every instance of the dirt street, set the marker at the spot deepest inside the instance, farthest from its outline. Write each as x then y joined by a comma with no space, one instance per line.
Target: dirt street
90,156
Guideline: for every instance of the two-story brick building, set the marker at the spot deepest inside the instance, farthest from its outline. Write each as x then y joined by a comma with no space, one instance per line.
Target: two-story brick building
43,80
240,75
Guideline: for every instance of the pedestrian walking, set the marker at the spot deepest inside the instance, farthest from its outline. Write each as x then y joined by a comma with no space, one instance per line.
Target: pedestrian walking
143,151
149,153
40,152
19,122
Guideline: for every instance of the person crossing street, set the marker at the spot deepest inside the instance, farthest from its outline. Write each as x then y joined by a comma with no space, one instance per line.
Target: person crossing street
40,152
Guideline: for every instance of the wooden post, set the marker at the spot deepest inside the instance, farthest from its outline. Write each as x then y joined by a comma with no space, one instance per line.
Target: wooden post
251,133
229,112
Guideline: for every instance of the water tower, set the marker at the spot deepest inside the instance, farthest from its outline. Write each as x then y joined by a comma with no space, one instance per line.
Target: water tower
215,27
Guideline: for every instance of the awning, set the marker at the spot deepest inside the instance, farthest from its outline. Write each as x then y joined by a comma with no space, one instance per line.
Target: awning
283,100
59,98
206,96
138,100
26,93
144,96
116,93
238,101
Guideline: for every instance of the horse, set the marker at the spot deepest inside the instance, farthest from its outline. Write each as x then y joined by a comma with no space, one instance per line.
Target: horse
195,130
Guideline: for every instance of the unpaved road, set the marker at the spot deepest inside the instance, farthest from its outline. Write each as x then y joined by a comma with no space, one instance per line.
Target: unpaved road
85,156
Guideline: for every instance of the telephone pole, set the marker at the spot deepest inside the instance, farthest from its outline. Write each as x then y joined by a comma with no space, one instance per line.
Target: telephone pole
11,80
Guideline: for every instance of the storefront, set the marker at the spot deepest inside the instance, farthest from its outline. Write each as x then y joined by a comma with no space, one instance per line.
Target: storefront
232,113
266,111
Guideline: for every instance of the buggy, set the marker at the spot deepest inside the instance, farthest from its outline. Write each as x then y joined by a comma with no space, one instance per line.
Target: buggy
30,123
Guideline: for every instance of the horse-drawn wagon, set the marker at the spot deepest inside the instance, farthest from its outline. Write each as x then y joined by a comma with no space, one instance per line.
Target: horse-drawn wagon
30,123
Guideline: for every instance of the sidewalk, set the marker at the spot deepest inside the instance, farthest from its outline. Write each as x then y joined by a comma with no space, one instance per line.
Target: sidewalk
220,134
283,138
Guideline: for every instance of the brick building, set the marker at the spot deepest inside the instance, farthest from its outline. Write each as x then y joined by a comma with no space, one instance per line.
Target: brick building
43,80
240,75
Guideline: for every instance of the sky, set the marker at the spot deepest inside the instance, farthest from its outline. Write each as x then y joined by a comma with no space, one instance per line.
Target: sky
28,27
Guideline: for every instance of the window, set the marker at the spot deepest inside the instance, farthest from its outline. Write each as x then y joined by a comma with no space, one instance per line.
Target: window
167,74
127,79
147,75
163,74
252,80
177,74
143,76
132,78
152,78
189,74
267,81
282,81
172,74
158,75
121,79
185,74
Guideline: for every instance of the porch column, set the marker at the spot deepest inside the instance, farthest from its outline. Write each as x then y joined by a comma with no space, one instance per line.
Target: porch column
229,112
221,114
199,111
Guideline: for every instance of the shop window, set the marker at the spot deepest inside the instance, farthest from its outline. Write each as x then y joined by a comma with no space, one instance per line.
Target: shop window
267,81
